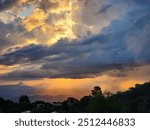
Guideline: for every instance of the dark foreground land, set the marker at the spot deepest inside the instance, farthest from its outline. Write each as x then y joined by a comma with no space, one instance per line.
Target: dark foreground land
134,100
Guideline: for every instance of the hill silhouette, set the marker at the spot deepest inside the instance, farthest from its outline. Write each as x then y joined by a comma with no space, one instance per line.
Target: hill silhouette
134,100
12,92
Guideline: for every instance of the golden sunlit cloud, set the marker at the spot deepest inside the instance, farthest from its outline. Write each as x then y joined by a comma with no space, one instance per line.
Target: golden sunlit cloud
36,19
6,69
22,1
62,23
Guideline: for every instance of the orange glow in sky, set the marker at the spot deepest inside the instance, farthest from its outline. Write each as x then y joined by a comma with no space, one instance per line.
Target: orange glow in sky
79,87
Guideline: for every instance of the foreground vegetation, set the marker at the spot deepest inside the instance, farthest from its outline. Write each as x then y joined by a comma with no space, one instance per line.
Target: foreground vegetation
134,100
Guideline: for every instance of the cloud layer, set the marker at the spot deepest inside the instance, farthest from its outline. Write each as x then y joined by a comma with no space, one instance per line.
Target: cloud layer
103,37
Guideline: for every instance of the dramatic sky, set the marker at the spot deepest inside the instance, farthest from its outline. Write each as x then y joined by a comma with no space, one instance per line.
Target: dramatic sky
69,46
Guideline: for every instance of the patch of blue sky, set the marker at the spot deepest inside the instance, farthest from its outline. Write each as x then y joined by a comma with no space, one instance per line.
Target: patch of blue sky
27,11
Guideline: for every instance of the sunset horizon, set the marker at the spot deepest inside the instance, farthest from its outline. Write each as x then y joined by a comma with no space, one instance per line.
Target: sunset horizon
66,47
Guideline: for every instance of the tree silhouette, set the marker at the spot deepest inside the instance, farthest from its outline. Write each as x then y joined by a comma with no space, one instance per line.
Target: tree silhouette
71,105
133,100
96,91
24,102
97,102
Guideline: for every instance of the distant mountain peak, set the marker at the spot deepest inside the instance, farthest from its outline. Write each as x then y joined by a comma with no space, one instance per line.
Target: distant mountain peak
21,84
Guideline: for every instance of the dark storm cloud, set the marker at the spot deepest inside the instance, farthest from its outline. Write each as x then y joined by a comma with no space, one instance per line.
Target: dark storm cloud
26,54
63,49
11,34
4,30
124,44
46,5
24,75
141,2
104,8
5,4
